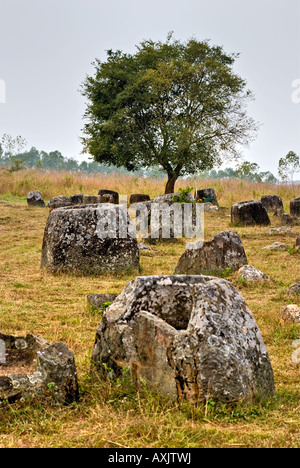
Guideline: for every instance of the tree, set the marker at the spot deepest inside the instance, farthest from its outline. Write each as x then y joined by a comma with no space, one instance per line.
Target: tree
13,146
177,106
53,160
288,166
268,177
248,171
30,158
71,164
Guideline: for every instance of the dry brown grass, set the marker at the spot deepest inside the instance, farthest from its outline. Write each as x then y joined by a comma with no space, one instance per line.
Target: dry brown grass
51,184
55,307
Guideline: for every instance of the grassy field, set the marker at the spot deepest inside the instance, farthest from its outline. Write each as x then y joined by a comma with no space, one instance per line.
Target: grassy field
55,307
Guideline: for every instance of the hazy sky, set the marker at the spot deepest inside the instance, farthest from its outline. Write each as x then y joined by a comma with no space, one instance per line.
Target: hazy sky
47,47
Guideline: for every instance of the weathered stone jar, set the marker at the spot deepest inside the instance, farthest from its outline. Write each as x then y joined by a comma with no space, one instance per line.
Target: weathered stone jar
90,240
272,203
109,196
209,194
138,198
249,213
188,337
295,207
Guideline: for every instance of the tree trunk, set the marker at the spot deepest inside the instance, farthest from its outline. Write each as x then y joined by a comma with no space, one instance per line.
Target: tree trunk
170,186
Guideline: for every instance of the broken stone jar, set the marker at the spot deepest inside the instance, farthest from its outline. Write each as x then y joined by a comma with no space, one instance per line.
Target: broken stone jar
187,337
30,367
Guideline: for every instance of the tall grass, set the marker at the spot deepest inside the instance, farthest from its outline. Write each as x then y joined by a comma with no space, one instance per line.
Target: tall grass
53,183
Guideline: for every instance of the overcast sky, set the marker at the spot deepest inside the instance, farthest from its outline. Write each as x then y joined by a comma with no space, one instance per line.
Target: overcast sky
47,48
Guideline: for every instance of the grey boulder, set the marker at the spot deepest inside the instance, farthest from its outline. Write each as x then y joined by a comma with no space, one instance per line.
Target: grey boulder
277,246
251,274
97,301
294,289
225,250
35,199
290,314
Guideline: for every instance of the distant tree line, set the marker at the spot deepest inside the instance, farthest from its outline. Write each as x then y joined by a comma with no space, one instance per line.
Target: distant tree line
246,171
54,160
14,157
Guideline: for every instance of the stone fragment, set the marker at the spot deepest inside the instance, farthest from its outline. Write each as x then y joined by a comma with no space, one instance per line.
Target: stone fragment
36,369
278,212
90,240
144,247
288,220
209,207
280,230
249,213
188,337
251,274
35,199
296,356
277,246
294,289
291,313
225,250
97,301
168,198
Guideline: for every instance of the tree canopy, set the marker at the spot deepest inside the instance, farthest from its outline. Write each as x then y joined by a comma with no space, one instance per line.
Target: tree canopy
288,166
178,106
